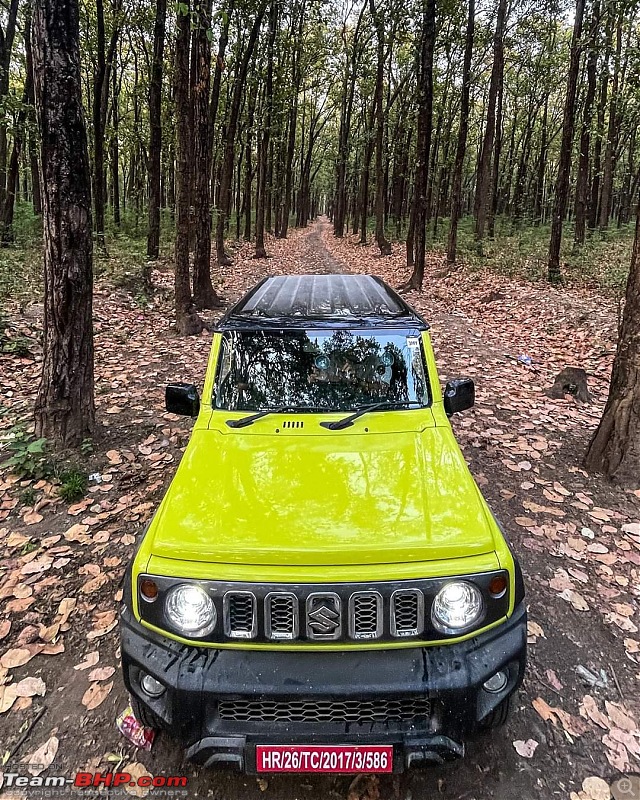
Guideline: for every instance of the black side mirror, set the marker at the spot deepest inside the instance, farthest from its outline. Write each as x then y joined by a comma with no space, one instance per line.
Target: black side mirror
459,395
182,398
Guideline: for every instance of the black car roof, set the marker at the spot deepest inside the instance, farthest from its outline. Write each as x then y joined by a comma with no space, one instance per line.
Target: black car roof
323,301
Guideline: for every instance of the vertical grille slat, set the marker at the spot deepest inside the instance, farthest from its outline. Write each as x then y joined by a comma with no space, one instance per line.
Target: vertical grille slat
365,615
281,616
240,615
407,612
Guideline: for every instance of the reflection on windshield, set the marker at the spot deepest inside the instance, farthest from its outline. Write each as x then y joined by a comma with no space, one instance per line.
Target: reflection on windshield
319,369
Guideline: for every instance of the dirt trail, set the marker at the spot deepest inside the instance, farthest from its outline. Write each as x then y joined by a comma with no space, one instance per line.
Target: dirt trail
523,449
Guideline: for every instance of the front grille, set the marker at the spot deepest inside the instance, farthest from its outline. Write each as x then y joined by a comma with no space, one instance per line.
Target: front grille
382,710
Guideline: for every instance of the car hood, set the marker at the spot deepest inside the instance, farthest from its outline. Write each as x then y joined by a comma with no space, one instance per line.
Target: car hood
341,498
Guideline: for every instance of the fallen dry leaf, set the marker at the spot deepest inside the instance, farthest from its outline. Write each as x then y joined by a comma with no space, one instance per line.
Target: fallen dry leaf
525,749
620,716
96,694
595,788
16,657
576,599
136,770
29,687
41,758
90,661
101,673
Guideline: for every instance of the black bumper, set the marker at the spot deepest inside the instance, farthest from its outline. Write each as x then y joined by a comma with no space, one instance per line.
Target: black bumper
201,681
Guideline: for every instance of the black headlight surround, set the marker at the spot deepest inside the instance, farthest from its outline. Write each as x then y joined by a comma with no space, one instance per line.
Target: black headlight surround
495,608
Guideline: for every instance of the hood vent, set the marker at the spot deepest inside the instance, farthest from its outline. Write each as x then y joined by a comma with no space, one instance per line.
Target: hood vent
290,423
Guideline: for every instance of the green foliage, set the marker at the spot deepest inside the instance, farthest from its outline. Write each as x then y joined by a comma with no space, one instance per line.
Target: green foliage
28,455
28,496
73,485
523,252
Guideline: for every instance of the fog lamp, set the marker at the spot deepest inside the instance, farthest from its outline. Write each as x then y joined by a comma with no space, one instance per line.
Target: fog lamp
497,682
151,686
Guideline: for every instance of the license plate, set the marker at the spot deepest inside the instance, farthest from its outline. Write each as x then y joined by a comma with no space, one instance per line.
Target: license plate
324,758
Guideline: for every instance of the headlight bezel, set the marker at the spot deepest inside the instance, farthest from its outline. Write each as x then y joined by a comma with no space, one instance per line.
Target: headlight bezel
474,622
200,631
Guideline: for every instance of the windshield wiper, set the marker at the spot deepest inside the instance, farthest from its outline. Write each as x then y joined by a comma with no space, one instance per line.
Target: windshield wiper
345,422
244,421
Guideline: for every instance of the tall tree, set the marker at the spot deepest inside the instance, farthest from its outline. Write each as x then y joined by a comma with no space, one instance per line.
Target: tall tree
64,409
423,141
564,166
615,446
7,209
463,130
204,294
612,129
226,173
483,182
155,133
381,239
7,36
582,179
187,321
262,198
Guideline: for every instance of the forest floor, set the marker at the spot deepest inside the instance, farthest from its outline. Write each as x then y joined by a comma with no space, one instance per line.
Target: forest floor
578,538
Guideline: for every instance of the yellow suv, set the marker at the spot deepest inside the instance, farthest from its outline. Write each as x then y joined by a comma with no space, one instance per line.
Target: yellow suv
323,587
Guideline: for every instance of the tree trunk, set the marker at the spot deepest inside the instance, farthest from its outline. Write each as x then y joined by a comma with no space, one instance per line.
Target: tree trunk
597,149
296,80
538,210
115,148
262,199
495,170
381,239
615,446
226,175
35,176
98,130
418,223
155,133
463,130
612,134
248,169
204,295
564,167
6,46
582,179
6,217
64,408
483,181
187,321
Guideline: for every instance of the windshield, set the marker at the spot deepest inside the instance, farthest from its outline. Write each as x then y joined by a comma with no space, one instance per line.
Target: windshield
319,370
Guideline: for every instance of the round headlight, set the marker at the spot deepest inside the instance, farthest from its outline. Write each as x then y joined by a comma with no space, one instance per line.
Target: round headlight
457,607
190,609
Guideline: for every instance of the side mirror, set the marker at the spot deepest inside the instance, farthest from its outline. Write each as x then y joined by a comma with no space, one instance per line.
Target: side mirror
182,398
459,395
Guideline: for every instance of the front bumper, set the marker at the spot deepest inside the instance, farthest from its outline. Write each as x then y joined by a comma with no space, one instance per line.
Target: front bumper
201,681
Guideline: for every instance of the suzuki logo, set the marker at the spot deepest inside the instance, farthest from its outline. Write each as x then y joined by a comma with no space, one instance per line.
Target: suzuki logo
323,616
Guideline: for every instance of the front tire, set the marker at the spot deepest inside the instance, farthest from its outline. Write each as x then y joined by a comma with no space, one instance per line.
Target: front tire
497,718
143,715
